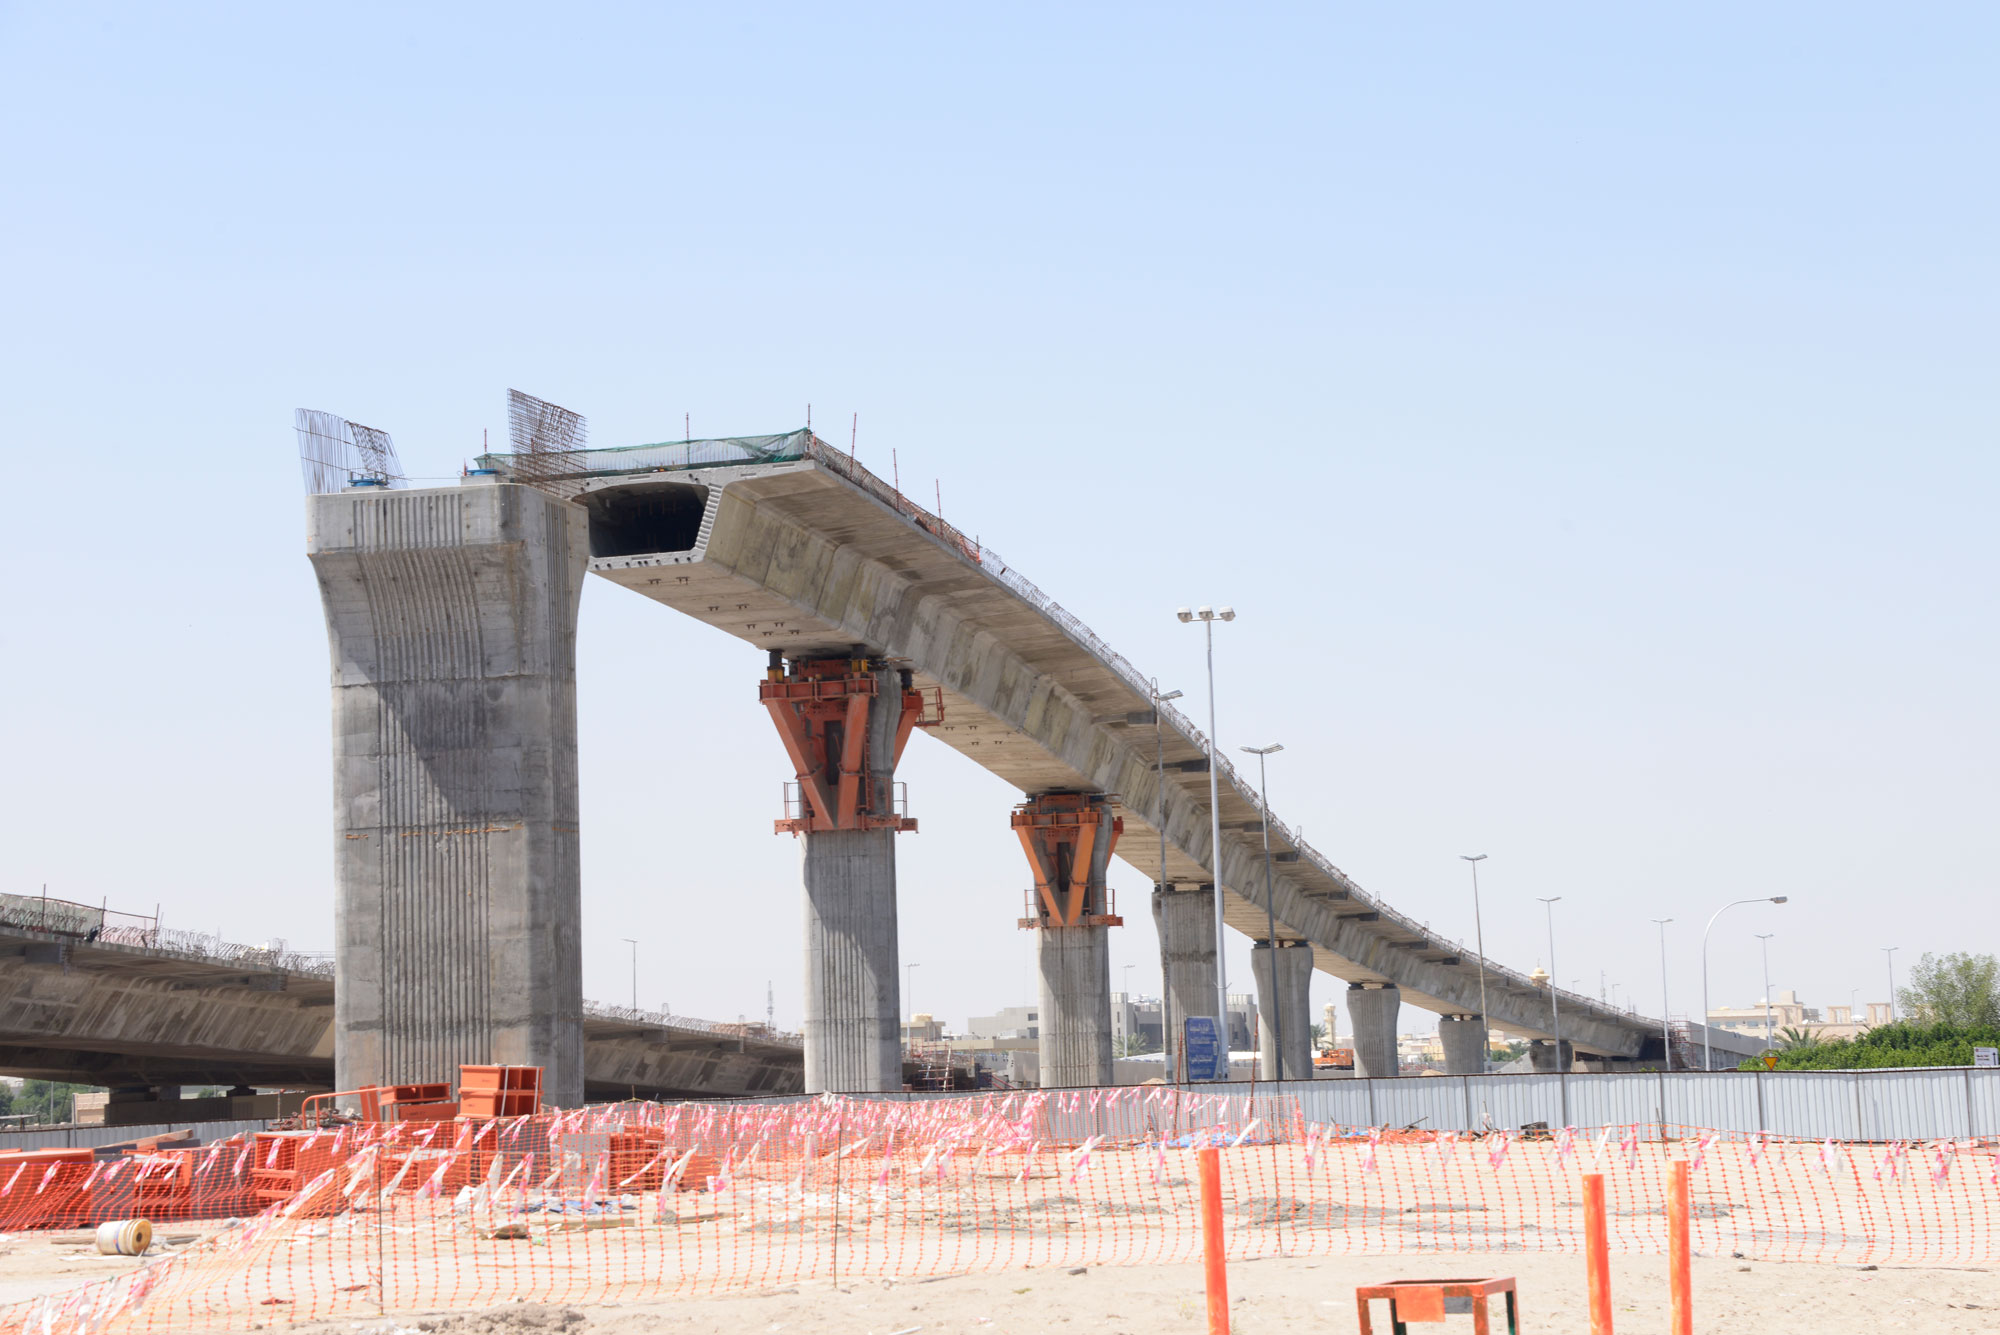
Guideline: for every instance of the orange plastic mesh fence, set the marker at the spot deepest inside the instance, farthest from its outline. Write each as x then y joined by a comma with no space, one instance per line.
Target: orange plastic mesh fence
631,1201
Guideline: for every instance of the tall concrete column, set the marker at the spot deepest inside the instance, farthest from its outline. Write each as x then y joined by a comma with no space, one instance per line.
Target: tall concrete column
1465,1045
1284,1007
853,1029
1185,921
451,615
843,722
1074,1032
1373,1013
1068,838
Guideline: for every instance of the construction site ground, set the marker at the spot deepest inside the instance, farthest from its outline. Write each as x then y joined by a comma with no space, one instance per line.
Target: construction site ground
39,1261
1272,1295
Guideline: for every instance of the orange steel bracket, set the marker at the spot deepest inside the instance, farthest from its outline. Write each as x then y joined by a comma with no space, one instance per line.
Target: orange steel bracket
1051,826
821,713
796,733
853,755
914,716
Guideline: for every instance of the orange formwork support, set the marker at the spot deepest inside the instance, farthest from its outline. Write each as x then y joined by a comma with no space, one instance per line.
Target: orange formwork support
821,709
1060,832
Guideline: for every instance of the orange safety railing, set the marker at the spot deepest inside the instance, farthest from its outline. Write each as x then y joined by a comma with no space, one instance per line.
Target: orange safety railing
621,1202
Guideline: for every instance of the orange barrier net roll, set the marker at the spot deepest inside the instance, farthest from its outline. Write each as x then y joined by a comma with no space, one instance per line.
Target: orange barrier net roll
640,1201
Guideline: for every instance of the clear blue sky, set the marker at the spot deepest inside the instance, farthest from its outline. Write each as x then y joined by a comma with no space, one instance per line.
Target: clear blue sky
1591,412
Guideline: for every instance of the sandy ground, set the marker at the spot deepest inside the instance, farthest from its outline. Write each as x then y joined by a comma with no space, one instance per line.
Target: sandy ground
48,1261
1269,1295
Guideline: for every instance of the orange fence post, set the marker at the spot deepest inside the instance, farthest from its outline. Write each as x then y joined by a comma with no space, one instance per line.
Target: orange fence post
1211,1241
1679,1202
1597,1253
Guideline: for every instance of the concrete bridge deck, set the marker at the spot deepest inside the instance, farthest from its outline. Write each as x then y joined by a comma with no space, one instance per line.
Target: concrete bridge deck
811,554
103,1012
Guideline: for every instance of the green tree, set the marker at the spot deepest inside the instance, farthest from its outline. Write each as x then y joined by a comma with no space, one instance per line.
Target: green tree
1959,989
1791,1038
1907,1043
48,1100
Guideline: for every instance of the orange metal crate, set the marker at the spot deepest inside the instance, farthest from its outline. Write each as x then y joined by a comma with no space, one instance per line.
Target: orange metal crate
43,1188
299,1158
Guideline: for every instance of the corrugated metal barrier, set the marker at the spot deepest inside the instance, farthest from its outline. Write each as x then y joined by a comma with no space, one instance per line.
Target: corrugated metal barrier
1920,1103
78,1137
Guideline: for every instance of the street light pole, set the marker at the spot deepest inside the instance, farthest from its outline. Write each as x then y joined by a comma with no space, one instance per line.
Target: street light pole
909,990
1889,953
1479,938
1169,1043
635,969
1666,1013
1208,617
1555,1011
1271,912
1708,1048
1765,938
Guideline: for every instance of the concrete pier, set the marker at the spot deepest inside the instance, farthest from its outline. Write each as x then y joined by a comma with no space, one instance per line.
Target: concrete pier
1464,1040
1074,1032
1185,921
1068,838
853,1001
1284,1010
451,616
843,722
1373,1013
1543,1059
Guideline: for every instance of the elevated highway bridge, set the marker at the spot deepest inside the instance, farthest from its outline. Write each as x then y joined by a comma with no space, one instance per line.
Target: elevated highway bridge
143,1012
451,612
812,555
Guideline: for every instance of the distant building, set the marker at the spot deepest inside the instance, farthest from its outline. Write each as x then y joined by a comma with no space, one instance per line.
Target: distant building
1138,1024
1012,1022
923,1027
1131,1014
1787,1012
1420,1052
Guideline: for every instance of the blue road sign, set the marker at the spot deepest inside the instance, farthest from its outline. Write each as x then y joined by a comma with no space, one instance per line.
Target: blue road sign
1202,1049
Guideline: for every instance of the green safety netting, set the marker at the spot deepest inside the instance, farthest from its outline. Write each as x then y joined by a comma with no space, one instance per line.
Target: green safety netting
668,454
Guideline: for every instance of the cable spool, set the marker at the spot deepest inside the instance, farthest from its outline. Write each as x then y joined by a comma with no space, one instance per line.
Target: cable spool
124,1237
